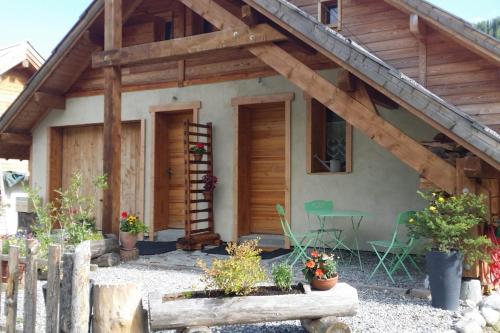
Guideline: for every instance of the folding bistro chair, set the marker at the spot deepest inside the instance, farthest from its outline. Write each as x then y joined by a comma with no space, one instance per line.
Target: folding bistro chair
401,250
334,233
300,243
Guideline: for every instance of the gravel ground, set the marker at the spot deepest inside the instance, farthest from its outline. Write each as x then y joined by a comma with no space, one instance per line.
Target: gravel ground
380,310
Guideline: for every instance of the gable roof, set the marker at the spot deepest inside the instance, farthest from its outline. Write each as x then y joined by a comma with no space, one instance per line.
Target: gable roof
453,26
13,55
411,95
445,117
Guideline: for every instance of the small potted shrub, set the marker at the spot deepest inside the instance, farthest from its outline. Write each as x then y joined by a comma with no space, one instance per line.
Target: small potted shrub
321,271
130,227
448,223
198,150
210,182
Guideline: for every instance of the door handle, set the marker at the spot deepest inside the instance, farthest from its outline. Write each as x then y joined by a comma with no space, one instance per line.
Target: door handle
169,172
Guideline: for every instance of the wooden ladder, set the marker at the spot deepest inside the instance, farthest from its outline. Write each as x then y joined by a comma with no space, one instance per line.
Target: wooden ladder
199,221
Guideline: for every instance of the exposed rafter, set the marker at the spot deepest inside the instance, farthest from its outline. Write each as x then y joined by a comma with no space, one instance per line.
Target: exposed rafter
181,48
388,136
50,101
16,139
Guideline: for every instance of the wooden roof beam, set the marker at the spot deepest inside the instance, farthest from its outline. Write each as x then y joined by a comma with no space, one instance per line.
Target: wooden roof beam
181,48
375,127
248,15
417,26
50,101
16,139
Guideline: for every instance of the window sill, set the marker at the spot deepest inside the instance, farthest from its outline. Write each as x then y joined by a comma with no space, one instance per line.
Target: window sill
329,173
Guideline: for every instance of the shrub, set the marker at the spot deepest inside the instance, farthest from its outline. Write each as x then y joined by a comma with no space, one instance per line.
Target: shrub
237,275
448,223
283,276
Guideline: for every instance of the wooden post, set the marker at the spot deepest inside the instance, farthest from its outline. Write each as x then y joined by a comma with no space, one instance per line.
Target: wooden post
11,290
30,286
112,119
117,308
66,292
80,298
53,289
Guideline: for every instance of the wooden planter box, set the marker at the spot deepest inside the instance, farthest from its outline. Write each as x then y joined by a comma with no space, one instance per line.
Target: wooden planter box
341,301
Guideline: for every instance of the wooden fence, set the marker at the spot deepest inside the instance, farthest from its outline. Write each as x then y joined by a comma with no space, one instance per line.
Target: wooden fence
67,290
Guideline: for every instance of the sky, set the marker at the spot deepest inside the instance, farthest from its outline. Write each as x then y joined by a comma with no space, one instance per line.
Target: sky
45,22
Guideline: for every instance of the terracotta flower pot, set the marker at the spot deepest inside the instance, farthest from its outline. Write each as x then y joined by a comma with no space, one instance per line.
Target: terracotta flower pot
5,271
207,195
128,240
320,284
198,157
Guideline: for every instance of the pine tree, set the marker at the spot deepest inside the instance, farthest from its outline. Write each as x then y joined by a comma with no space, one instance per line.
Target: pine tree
491,27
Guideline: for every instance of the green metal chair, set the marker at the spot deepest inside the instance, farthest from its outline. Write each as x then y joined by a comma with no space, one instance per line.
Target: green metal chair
335,233
401,250
300,243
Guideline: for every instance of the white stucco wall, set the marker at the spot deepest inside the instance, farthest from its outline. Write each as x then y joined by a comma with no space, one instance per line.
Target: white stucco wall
379,183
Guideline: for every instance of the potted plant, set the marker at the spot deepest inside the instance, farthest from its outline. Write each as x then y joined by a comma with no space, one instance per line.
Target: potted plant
209,185
321,271
198,150
130,227
448,223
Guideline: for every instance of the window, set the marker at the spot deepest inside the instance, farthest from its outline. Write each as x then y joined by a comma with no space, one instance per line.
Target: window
169,30
330,13
329,140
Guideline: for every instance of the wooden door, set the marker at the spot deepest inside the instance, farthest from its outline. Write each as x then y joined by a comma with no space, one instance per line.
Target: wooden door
82,149
169,169
262,164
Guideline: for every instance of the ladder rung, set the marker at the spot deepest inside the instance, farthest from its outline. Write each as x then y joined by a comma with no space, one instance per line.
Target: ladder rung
196,142
200,221
204,210
199,201
198,125
198,134
198,231
197,172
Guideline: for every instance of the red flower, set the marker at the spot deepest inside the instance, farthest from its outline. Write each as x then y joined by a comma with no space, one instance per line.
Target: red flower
124,215
200,145
310,264
314,254
319,273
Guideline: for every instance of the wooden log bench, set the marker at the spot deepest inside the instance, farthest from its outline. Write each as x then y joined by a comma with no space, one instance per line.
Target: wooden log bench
316,310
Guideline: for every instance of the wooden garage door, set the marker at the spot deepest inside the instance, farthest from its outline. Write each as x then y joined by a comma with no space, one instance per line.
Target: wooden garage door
82,149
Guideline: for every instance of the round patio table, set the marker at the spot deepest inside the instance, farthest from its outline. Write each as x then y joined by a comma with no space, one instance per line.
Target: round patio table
356,219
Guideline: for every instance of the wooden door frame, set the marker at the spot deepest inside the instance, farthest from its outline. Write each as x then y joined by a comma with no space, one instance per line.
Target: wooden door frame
195,106
236,102
55,162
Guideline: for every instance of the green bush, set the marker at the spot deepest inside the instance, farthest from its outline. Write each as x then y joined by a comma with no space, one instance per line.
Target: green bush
448,223
283,276
237,275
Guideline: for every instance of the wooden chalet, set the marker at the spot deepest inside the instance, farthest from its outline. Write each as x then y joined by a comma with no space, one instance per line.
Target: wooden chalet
414,95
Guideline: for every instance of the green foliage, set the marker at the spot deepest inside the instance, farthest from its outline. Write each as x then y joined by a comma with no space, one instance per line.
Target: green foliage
491,27
237,275
448,223
16,240
320,266
132,224
283,276
72,211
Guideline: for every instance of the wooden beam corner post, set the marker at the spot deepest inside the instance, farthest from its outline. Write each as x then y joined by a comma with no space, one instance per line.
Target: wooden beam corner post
112,119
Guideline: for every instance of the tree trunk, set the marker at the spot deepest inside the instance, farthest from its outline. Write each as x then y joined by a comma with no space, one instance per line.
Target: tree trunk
118,308
107,260
325,325
103,246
